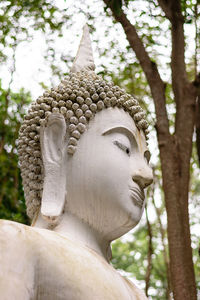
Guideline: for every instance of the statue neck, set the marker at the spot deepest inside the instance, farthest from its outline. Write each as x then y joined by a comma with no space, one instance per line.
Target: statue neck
77,230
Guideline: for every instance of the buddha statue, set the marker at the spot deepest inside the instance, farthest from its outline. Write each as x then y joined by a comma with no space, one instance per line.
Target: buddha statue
84,163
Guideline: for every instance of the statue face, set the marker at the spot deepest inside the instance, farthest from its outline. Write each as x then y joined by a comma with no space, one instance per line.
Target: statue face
107,175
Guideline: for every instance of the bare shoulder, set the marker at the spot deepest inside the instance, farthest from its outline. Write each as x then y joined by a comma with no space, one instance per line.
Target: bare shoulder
10,226
17,266
12,235
16,245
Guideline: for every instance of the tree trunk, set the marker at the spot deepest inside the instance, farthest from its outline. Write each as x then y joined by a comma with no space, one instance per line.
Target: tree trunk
175,150
175,157
166,259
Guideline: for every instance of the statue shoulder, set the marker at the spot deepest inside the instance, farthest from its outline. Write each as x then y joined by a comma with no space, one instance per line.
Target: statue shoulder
16,245
20,241
16,261
12,233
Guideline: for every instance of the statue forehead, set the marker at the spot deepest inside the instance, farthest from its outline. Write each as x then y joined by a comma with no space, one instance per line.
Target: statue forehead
116,118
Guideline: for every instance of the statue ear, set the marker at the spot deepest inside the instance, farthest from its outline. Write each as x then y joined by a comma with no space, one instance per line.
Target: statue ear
53,147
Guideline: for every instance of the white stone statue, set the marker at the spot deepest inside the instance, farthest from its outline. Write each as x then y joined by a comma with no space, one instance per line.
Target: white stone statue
84,163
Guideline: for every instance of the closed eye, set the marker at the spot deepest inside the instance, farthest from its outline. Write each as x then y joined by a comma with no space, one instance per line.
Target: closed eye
147,156
122,147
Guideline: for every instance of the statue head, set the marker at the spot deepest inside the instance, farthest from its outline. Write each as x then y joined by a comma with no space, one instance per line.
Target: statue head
82,148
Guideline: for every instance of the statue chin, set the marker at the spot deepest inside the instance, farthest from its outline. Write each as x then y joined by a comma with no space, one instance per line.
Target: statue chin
84,172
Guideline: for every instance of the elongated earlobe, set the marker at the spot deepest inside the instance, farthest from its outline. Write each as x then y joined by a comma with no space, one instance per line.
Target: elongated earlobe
53,147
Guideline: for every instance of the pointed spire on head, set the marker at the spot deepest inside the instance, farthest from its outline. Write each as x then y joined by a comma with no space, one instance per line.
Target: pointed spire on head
84,57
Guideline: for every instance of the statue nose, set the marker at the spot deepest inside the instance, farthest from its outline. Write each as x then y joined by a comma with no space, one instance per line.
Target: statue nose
143,177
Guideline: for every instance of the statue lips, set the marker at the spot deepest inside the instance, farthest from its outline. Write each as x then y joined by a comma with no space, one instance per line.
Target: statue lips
137,195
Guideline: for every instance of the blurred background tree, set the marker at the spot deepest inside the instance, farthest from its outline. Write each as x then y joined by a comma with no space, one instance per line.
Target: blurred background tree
12,105
142,254
18,22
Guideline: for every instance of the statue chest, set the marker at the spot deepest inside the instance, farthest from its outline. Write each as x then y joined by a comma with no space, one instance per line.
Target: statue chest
69,272
41,265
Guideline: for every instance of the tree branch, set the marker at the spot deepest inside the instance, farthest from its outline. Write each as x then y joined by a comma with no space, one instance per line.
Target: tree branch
13,67
196,37
149,255
149,67
179,76
162,233
198,128
165,7
173,12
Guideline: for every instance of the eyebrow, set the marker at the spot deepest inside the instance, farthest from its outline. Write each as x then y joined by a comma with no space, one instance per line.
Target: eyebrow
130,134
124,129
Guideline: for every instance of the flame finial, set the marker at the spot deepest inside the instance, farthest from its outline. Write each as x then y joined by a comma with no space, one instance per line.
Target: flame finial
84,57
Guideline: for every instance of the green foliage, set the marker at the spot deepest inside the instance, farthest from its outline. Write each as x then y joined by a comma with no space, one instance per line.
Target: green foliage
18,22
132,258
12,204
19,19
